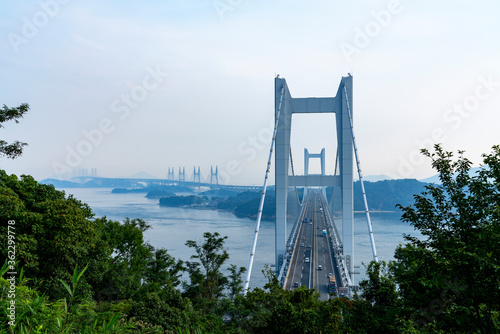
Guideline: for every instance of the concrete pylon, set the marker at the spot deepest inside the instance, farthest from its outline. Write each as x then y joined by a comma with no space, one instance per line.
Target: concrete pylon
214,176
308,155
196,175
182,174
171,175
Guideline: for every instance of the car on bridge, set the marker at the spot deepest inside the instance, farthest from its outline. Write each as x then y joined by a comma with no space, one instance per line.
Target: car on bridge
306,260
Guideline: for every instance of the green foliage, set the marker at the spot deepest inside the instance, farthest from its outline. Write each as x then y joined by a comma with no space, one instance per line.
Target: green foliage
54,233
207,282
299,311
162,269
457,262
166,309
386,194
178,201
378,308
159,194
130,265
72,290
15,149
447,281
250,208
235,283
35,313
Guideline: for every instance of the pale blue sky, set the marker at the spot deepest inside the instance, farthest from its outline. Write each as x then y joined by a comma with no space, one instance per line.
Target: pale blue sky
421,71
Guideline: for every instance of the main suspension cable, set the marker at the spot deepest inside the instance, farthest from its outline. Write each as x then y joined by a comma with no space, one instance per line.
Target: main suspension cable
368,220
262,197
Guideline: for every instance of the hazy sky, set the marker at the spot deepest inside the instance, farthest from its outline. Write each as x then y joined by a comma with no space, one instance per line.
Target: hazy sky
127,86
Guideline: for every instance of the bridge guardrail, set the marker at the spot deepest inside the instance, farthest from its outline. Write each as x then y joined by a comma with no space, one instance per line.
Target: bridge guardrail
292,239
337,247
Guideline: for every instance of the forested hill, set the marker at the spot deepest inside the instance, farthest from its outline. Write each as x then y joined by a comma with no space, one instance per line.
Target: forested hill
381,196
384,195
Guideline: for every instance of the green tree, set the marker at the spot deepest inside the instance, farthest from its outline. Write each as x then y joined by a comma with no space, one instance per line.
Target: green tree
378,307
15,149
235,284
162,269
207,282
449,279
53,233
276,310
165,308
128,265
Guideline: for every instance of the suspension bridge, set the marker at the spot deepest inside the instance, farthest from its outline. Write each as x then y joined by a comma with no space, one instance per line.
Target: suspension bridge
315,248
310,250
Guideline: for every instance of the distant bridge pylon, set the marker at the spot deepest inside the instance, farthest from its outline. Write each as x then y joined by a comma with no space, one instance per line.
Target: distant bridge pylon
171,175
214,176
182,174
196,175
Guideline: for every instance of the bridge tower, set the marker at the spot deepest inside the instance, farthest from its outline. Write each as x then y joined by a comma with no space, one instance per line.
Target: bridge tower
285,107
171,175
308,155
214,175
182,174
196,175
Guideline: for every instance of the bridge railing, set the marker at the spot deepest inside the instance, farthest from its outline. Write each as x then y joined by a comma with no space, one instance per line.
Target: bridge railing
336,244
291,242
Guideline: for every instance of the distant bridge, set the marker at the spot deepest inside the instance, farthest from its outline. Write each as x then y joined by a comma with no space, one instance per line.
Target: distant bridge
145,182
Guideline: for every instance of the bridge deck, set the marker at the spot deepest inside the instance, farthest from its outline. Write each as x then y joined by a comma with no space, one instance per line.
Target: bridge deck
312,249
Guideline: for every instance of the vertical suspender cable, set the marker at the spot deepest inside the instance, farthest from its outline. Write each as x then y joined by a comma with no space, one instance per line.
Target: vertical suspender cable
334,173
263,196
368,221
293,173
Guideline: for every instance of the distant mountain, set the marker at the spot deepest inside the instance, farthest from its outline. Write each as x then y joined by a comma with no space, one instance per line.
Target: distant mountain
373,178
435,178
384,195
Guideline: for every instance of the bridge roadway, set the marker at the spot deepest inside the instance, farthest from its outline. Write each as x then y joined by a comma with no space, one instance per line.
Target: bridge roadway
312,250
